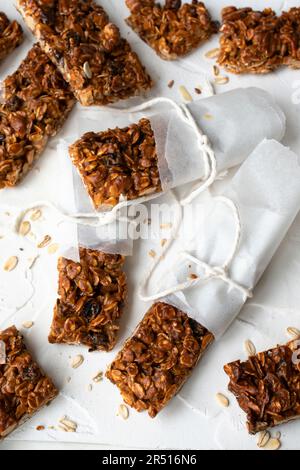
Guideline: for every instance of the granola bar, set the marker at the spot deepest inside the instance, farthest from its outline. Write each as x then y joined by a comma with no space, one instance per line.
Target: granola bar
24,388
172,30
267,386
92,296
118,162
259,41
88,50
36,102
11,35
157,360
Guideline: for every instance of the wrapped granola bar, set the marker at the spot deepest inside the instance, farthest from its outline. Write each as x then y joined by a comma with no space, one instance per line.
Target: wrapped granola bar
87,49
227,248
150,156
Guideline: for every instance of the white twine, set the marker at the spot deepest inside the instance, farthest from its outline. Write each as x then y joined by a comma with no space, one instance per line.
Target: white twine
211,272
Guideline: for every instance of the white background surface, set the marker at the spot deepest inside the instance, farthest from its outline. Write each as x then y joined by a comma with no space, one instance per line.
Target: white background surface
197,422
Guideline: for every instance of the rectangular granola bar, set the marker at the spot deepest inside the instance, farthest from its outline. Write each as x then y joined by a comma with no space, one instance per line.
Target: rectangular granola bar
118,162
11,35
36,102
88,50
24,388
172,30
159,357
267,386
92,296
259,41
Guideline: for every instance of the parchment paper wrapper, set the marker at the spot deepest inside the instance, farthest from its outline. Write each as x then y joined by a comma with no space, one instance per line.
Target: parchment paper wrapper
266,214
110,238
235,123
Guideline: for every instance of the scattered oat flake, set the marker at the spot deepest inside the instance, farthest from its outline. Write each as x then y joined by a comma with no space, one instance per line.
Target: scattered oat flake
249,348
46,240
221,80
216,70
67,425
123,411
36,214
263,438
171,83
198,90
98,377
293,332
77,361
213,53
53,248
222,400
185,94
51,427
152,253
40,428
11,263
163,242
25,228
2,352
89,387
272,444
208,116
166,226
27,324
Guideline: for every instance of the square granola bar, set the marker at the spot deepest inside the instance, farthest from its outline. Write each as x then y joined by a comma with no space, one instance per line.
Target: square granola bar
35,104
118,162
159,357
11,35
94,59
259,41
267,386
24,388
92,297
172,30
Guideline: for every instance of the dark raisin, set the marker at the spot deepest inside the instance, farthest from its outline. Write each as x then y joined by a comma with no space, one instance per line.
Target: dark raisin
14,103
173,4
96,339
90,310
2,138
31,373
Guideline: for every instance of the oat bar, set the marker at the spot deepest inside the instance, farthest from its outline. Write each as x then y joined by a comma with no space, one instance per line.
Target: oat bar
24,388
259,41
118,162
267,386
35,103
92,296
157,360
11,35
172,30
88,50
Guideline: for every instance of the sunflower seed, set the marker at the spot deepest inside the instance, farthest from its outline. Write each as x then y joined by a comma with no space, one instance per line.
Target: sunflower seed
222,400
221,80
53,248
25,228
263,438
77,361
249,348
123,411
27,324
87,70
67,425
36,214
272,444
11,263
185,94
46,240
216,70
293,332
213,53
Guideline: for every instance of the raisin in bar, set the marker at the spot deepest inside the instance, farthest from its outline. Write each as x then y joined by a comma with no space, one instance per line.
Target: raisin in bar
88,50
11,35
267,386
259,41
24,388
156,361
92,296
118,162
36,103
172,30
